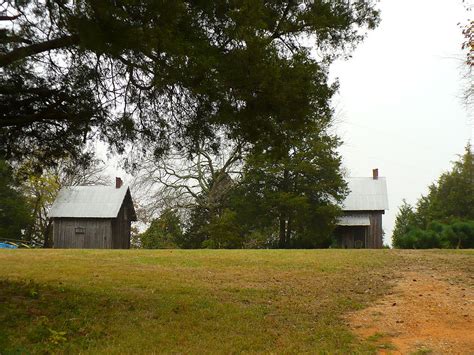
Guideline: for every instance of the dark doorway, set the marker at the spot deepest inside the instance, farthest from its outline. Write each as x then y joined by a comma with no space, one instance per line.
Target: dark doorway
353,237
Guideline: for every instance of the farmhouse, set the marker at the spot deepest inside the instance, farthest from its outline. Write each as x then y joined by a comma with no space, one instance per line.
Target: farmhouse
361,224
93,217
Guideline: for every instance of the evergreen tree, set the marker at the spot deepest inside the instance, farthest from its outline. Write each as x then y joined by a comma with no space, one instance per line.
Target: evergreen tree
404,222
453,197
15,214
295,195
164,232
444,218
165,73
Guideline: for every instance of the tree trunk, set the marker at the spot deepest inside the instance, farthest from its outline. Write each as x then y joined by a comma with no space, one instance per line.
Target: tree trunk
46,235
288,231
31,227
282,242
282,232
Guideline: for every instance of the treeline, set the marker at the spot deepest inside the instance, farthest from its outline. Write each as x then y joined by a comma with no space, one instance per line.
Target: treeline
444,218
237,197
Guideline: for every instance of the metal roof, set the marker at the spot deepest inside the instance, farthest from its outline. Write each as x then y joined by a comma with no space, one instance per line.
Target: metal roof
88,202
354,220
366,194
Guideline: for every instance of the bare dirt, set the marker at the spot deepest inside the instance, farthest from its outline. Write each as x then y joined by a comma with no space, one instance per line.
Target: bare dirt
427,312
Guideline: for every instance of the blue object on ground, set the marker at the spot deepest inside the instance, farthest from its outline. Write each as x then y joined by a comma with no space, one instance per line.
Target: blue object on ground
7,246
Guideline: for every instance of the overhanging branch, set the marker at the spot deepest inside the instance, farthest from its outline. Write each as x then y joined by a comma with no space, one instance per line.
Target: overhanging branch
24,52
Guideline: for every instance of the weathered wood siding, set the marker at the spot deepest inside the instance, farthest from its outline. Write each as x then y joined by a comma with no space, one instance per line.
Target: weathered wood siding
375,231
353,237
372,236
82,233
121,227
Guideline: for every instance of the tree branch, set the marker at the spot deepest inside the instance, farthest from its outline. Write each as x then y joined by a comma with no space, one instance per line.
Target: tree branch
26,120
24,52
8,18
276,31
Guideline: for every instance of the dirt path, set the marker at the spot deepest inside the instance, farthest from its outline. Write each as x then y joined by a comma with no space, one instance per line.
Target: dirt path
428,312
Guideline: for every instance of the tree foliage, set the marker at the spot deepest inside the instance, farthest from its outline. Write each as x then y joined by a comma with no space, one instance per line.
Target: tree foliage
457,234
444,218
403,223
468,47
165,73
285,202
164,232
158,76
15,214
297,194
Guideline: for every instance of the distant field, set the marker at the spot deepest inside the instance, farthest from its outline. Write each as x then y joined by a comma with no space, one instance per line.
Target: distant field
210,301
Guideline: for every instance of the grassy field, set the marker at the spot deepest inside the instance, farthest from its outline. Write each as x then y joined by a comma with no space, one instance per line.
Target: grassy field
210,301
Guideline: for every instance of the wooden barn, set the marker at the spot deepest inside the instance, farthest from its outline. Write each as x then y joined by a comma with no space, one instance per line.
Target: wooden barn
361,224
93,217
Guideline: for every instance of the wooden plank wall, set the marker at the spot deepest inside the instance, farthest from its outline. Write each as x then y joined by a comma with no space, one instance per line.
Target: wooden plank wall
375,239
374,232
97,233
346,238
121,229
351,237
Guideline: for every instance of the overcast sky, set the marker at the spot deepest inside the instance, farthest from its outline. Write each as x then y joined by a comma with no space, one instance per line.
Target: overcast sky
399,106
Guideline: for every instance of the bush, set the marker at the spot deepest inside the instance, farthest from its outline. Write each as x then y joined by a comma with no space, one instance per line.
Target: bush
164,232
464,232
455,235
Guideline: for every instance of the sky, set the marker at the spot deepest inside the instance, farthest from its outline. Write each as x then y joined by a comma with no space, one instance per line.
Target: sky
399,107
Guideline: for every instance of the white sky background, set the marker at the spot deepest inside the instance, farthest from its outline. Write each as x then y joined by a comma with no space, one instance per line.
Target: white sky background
399,107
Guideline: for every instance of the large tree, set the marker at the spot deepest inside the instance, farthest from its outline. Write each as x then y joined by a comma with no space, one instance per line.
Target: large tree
453,195
255,197
196,186
166,72
183,181
295,193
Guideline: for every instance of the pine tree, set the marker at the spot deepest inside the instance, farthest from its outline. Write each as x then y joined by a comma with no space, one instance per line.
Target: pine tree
295,195
165,73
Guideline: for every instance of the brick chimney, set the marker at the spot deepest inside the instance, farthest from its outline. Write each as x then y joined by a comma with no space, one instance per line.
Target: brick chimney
118,183
375,174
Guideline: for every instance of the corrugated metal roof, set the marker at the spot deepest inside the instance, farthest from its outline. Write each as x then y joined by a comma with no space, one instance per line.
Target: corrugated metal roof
354,220
366,194
88,202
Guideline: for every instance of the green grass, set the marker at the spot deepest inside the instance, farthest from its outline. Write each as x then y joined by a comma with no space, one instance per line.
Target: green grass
202,301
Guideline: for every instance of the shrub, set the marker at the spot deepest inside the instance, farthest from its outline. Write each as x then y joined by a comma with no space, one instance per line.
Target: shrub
458,234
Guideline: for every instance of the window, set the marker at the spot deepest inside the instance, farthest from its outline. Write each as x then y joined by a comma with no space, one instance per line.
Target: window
80,230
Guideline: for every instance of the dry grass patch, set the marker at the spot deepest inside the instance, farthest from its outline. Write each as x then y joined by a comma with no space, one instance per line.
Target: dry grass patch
179,301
